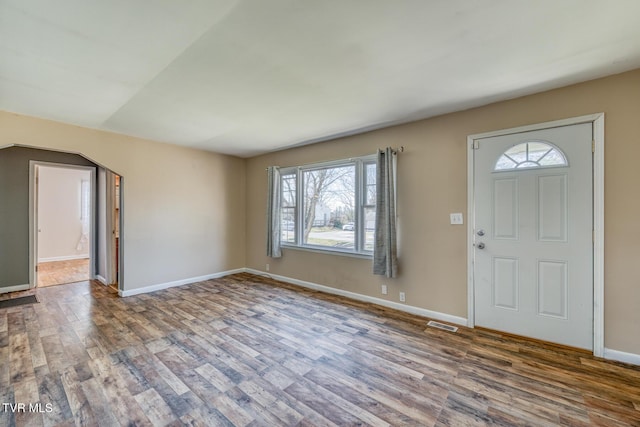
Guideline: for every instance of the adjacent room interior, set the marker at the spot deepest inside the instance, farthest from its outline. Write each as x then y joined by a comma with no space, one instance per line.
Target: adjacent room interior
63,220
274,213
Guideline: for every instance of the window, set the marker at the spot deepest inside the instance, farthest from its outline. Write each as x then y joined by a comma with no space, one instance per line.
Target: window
330,206
536,154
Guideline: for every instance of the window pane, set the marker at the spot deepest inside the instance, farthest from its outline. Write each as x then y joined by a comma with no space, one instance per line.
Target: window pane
288,190
288,225
370,184
369,228
553,158
329,206
505,163
518,153
288,209
537,150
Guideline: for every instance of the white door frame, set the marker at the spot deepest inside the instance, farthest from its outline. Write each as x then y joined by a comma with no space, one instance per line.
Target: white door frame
33,218
597,121
107,210
112,274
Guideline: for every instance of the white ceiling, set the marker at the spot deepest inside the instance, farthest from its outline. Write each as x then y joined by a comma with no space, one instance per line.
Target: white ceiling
245,77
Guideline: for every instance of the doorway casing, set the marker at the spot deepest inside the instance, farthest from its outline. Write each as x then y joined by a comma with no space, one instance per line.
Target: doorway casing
33,216
597,122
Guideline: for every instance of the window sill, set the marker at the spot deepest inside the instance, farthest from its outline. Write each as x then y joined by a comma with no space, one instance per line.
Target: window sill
329,251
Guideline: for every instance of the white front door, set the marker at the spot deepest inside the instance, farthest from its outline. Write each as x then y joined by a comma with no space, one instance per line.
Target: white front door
533,256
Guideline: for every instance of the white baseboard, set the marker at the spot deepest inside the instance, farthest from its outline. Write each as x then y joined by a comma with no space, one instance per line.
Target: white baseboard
360,297
309,285
621,356
14,288
63,258
167,285
101,279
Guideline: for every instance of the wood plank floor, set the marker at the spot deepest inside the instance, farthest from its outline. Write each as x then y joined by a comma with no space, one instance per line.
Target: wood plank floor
249,351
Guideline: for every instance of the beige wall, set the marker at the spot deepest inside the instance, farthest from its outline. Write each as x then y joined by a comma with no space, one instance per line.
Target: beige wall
184,209
432,183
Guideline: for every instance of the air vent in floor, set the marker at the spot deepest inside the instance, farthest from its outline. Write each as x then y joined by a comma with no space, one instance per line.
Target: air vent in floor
443,326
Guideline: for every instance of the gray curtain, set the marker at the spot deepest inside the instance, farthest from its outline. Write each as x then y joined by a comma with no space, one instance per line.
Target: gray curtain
385,251
273,213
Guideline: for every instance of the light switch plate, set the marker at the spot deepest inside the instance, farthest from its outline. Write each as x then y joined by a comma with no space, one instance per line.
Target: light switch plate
456,219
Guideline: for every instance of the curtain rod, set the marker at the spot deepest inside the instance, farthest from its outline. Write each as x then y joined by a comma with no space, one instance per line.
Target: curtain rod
395,151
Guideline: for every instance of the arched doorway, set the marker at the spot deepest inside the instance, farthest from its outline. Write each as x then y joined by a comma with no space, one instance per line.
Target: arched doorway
18,257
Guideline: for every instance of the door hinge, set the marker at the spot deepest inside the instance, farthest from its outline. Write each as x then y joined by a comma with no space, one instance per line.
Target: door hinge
36,268
475,145
593,146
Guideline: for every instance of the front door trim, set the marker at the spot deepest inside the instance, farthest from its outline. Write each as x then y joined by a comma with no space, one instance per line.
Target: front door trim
597,121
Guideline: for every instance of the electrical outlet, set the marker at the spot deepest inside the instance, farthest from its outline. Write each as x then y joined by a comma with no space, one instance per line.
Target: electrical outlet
267,267
384,289
402,297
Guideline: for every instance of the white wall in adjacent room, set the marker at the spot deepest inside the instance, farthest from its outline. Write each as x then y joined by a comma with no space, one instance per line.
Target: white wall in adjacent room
60,214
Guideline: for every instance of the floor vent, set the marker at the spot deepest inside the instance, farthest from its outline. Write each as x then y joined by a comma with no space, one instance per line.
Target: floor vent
442,326
14,302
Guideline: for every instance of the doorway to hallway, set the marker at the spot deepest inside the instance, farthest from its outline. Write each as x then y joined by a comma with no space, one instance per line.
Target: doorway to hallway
64,223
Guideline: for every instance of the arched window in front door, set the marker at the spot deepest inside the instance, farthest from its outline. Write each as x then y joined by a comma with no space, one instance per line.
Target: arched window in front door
533,154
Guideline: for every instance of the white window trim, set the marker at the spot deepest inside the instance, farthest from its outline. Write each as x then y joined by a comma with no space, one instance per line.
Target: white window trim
359,163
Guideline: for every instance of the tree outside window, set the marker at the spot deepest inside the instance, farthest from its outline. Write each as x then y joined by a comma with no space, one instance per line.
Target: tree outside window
336,210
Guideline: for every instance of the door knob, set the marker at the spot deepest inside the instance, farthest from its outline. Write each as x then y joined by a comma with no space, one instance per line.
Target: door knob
480,232
480,245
